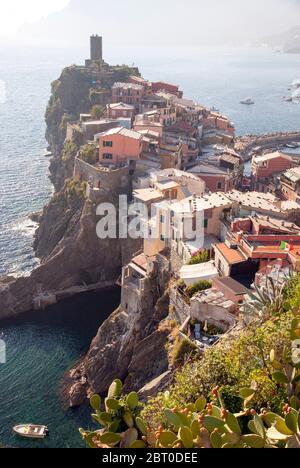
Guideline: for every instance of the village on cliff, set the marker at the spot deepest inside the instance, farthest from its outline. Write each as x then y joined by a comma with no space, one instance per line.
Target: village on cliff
181,158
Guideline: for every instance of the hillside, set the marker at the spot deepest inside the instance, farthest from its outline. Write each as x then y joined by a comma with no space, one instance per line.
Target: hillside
288,41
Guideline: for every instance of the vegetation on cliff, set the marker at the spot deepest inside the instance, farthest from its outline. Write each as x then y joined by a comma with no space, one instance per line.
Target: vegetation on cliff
255,401
76,92
206,422
89,154
97,112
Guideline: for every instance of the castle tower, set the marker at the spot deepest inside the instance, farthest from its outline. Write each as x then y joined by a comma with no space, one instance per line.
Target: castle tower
96,47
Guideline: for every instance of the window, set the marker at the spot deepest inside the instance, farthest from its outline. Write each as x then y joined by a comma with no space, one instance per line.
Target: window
108,144
162,238
107,156
162,219
219,186
205,224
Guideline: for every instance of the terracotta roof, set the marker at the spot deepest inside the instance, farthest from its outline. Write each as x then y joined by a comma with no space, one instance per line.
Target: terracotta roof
231,256
181,126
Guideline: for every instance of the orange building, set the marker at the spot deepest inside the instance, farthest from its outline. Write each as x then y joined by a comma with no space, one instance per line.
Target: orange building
120,145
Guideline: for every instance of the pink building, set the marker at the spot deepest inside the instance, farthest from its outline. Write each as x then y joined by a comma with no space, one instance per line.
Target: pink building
129,93
219,122
138,80
170,88
268,165
215,178
119,145
119,110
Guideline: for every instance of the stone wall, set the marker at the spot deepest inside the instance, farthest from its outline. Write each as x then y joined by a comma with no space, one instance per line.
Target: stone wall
183,310
114,181
214,314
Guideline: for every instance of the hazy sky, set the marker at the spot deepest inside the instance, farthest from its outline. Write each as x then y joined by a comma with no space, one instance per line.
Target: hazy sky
13,13
167,22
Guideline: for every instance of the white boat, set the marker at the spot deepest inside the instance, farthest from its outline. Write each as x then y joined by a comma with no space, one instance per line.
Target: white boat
31,431
248,101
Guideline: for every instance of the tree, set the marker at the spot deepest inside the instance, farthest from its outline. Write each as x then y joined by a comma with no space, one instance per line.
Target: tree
88,153
97,112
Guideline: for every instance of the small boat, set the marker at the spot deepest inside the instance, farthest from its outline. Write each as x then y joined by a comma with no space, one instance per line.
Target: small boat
248,101
31,431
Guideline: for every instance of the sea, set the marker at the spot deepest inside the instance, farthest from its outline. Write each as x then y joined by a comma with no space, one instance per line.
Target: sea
42,346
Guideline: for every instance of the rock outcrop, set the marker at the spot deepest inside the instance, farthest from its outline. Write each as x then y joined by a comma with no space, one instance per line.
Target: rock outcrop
131,340
129,345
157,385
66,242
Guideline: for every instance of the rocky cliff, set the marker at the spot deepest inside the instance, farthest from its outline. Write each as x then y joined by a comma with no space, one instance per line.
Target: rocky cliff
130,345
66,242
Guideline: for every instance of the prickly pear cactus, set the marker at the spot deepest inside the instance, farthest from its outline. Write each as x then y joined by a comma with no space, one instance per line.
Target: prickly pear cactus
204,424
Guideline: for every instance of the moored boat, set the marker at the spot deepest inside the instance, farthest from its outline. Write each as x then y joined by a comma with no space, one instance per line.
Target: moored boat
31,431
248,101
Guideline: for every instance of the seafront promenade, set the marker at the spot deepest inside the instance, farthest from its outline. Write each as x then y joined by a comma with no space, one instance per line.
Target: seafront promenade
250,145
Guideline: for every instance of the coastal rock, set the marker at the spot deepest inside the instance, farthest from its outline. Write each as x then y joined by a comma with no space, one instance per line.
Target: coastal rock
131,340
150,359
59,219
157,385
36,217
79,258
77,395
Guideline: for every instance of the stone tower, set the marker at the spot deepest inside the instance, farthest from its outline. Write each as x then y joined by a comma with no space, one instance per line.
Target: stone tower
96,48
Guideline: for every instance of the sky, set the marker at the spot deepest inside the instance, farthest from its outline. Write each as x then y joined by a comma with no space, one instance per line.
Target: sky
14,13
167,22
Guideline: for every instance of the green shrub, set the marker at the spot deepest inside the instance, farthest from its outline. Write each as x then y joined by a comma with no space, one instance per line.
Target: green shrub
75,190
197,287
183,347
97,112
230,363
200,257
69,151
88,153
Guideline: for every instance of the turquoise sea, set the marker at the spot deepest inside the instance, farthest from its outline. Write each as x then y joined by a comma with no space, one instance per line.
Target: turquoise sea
41,347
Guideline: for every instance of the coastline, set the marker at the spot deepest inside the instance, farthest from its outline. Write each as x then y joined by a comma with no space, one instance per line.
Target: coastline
249,145
59,337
